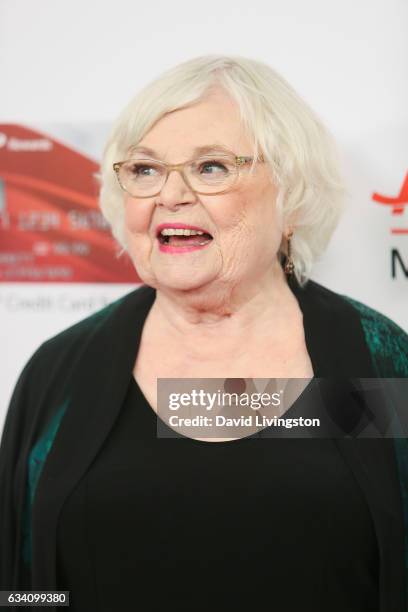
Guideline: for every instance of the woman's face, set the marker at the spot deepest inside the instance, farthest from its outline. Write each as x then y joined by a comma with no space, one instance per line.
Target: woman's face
246,233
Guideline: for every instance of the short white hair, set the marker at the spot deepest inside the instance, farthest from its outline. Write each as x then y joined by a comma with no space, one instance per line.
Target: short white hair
301,151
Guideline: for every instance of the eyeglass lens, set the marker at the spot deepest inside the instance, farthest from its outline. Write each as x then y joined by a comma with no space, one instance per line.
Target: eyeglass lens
205,174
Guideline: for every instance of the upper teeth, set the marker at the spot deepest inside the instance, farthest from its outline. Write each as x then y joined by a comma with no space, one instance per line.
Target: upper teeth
180,232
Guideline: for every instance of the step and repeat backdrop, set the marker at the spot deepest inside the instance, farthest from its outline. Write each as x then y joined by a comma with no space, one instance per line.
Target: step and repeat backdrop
58,261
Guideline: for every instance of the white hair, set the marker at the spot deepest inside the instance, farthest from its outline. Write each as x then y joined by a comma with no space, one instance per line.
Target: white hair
301,152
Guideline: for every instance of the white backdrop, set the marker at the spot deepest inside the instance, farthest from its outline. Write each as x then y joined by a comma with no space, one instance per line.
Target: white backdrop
67,68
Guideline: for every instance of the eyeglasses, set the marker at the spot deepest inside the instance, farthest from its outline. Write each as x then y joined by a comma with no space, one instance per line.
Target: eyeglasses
207,175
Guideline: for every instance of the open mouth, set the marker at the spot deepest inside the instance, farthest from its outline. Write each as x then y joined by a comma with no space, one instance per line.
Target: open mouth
184,237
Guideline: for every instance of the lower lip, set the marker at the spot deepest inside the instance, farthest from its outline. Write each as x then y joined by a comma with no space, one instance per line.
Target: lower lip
173,250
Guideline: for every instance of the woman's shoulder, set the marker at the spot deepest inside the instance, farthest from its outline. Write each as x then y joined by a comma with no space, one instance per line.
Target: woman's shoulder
51,364
387,342
78,334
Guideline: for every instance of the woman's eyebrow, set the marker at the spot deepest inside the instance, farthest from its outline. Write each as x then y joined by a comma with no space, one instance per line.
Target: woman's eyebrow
210,148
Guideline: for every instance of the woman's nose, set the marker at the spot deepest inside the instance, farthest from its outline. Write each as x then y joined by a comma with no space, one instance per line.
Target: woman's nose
175,190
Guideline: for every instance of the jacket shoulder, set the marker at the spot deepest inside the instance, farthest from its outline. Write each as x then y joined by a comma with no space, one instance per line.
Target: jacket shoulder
44,374
80,330
387,341
77,335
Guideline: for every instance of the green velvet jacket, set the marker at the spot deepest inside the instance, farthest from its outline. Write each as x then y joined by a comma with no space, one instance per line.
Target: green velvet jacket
70,392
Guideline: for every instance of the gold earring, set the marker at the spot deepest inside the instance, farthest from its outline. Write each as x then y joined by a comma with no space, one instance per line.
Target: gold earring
289,265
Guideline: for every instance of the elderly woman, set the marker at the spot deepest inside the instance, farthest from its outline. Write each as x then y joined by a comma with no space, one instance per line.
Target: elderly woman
222,186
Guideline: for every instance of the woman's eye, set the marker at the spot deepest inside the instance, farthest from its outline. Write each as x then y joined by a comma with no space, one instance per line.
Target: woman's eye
212,167
142,170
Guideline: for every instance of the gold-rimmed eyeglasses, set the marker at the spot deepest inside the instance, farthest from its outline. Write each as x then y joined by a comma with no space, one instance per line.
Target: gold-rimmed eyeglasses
207,174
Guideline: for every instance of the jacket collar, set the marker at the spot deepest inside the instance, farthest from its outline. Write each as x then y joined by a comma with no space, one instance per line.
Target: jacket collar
333,333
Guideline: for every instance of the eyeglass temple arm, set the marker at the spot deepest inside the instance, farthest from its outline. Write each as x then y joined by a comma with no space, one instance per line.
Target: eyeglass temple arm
242,159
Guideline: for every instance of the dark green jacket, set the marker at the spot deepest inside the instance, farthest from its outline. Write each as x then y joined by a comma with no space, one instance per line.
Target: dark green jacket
70,392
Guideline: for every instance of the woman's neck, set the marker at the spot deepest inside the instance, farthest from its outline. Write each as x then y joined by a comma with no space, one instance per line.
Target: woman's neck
207,324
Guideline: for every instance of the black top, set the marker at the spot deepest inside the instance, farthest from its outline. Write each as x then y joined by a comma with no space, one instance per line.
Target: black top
215,525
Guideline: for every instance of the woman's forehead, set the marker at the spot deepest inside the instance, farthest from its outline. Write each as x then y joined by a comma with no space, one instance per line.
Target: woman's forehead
209,126
197,151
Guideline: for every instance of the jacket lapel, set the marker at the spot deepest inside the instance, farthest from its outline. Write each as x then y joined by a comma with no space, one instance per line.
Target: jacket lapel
101,379
337,347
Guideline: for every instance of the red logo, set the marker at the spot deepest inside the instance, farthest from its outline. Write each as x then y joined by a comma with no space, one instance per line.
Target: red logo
397,204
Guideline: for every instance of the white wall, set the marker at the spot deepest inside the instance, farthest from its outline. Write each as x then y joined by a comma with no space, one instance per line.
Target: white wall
67,66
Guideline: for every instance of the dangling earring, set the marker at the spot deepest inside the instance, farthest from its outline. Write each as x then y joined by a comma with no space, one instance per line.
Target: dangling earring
289,265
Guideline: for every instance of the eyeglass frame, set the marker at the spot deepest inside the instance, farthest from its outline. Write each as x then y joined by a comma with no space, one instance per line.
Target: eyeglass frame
240,160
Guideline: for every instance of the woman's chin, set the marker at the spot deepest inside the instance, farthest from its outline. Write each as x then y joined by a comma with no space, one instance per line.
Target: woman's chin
183,281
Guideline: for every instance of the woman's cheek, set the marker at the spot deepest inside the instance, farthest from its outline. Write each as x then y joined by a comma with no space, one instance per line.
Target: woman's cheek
137,215
139,250
132,221
137,233
139,246
233,250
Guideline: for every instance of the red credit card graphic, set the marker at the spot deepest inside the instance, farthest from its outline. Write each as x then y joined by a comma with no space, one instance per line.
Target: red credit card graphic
51,228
